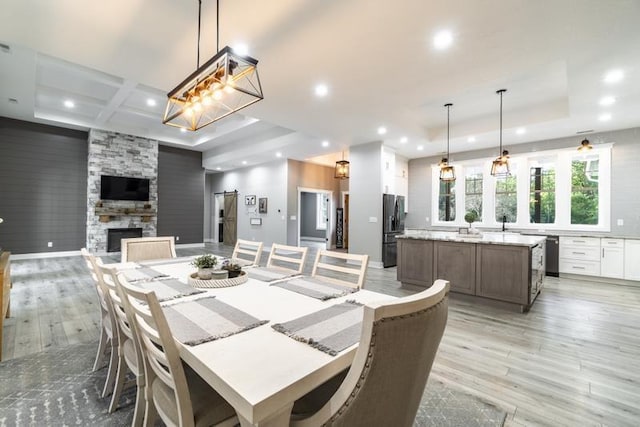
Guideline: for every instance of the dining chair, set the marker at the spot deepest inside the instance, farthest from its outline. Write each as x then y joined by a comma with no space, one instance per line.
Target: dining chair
340,268
130,356
108,337
384,385
175,392
147,248
247,252
287,258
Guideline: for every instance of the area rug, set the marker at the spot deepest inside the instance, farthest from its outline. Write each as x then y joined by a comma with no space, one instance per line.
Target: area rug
58,388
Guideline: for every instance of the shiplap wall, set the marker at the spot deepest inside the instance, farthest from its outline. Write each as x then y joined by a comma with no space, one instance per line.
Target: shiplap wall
180,194
43,187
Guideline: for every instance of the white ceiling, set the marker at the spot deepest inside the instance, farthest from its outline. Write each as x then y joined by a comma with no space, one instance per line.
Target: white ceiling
377,57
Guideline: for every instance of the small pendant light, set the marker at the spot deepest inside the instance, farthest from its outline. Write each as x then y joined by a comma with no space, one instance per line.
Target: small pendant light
585,146
342,168
447,172
500,166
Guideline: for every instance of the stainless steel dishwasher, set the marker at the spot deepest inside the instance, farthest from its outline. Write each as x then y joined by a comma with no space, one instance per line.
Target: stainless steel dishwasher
552,255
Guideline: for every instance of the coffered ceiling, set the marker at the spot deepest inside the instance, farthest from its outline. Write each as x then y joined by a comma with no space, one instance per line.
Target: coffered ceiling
378,60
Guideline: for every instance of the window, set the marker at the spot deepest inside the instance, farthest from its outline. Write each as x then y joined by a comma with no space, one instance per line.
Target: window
584,190
473,192
322,211
447,201
542,194
506,199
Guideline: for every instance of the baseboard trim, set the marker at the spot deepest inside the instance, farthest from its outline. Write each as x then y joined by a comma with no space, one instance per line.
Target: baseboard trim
376,264
191,245
313,239
209,241
36,255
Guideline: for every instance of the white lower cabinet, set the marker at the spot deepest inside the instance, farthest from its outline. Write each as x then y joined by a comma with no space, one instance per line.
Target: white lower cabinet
580,255
632,259
612,261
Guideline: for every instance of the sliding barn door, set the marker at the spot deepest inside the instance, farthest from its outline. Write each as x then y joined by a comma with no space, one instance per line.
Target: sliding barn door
230,221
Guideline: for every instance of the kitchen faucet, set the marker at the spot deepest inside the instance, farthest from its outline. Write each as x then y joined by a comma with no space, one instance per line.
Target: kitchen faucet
504,219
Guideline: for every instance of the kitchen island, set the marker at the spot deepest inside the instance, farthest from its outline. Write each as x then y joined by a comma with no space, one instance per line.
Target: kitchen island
503,267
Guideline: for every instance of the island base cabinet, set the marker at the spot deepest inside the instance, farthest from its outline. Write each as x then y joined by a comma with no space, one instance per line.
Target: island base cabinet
415,262
495,281
456,262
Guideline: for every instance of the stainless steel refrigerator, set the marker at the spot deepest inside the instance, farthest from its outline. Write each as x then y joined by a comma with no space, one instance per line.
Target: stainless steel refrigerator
392,225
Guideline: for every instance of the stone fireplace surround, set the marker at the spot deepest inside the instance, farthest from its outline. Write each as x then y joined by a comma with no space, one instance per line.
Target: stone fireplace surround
112,153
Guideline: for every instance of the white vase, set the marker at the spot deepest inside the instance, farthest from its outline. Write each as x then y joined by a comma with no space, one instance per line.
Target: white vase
205,273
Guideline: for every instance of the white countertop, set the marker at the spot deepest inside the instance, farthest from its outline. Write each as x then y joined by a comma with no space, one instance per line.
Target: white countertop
491,238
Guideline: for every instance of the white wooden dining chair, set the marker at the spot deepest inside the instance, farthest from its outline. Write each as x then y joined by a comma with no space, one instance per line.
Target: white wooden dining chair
147,248
176,393
340,268
287,258
108,328
247,252
130,356
386,380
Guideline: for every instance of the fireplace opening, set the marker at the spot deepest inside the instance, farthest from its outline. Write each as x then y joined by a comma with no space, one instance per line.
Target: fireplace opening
115,235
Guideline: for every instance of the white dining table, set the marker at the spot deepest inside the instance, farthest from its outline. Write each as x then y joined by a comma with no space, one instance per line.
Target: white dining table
262,372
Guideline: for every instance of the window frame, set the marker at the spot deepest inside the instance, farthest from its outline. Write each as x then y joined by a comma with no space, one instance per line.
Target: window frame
562,159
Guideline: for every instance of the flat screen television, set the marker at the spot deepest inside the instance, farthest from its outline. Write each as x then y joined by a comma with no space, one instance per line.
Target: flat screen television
124,188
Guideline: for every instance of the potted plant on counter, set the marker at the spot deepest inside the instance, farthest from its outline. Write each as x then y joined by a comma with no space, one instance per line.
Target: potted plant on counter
471,217
205,265
233,269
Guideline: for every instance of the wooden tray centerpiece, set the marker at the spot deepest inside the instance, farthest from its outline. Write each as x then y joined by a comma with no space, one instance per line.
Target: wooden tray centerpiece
194,281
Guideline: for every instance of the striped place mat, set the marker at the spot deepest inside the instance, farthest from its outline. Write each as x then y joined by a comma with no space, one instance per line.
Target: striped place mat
207,319
315,288
169,289
330,330
169,261
267,274
142,274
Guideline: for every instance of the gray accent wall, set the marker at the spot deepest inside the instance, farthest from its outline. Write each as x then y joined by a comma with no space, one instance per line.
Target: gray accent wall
308,207
625,188
365,201
180,194
43,187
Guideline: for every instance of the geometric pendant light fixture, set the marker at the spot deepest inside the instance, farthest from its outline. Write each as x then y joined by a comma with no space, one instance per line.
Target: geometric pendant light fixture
500,166
447,172
342,168
226,83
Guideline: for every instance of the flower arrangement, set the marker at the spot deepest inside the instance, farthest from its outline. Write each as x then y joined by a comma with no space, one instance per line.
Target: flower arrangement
233,268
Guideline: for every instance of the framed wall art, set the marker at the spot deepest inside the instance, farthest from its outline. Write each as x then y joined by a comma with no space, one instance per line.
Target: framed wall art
262,205
250,200
255,221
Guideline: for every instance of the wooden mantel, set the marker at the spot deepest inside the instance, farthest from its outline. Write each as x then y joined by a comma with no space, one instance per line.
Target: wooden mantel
106,214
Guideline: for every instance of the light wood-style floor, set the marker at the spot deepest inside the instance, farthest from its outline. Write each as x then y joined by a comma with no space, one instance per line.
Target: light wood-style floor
573,360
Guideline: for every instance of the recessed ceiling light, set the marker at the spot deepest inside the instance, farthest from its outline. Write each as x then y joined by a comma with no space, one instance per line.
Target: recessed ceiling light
244,162
420,147
241,49
443,39
183,130
613,76
607,100
325,143
151,102
278,154
521,131
471,139
382,130
404,140
321,90
604,117
69,103
218,168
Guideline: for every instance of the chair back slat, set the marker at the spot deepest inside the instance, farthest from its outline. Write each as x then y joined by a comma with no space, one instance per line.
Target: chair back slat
101,289
341,268
247,251
290,258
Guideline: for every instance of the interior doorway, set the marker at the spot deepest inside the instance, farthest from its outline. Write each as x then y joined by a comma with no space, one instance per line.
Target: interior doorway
230,218
314,217
217,216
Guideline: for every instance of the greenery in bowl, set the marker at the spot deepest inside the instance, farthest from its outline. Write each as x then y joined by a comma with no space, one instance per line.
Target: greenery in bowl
205,261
